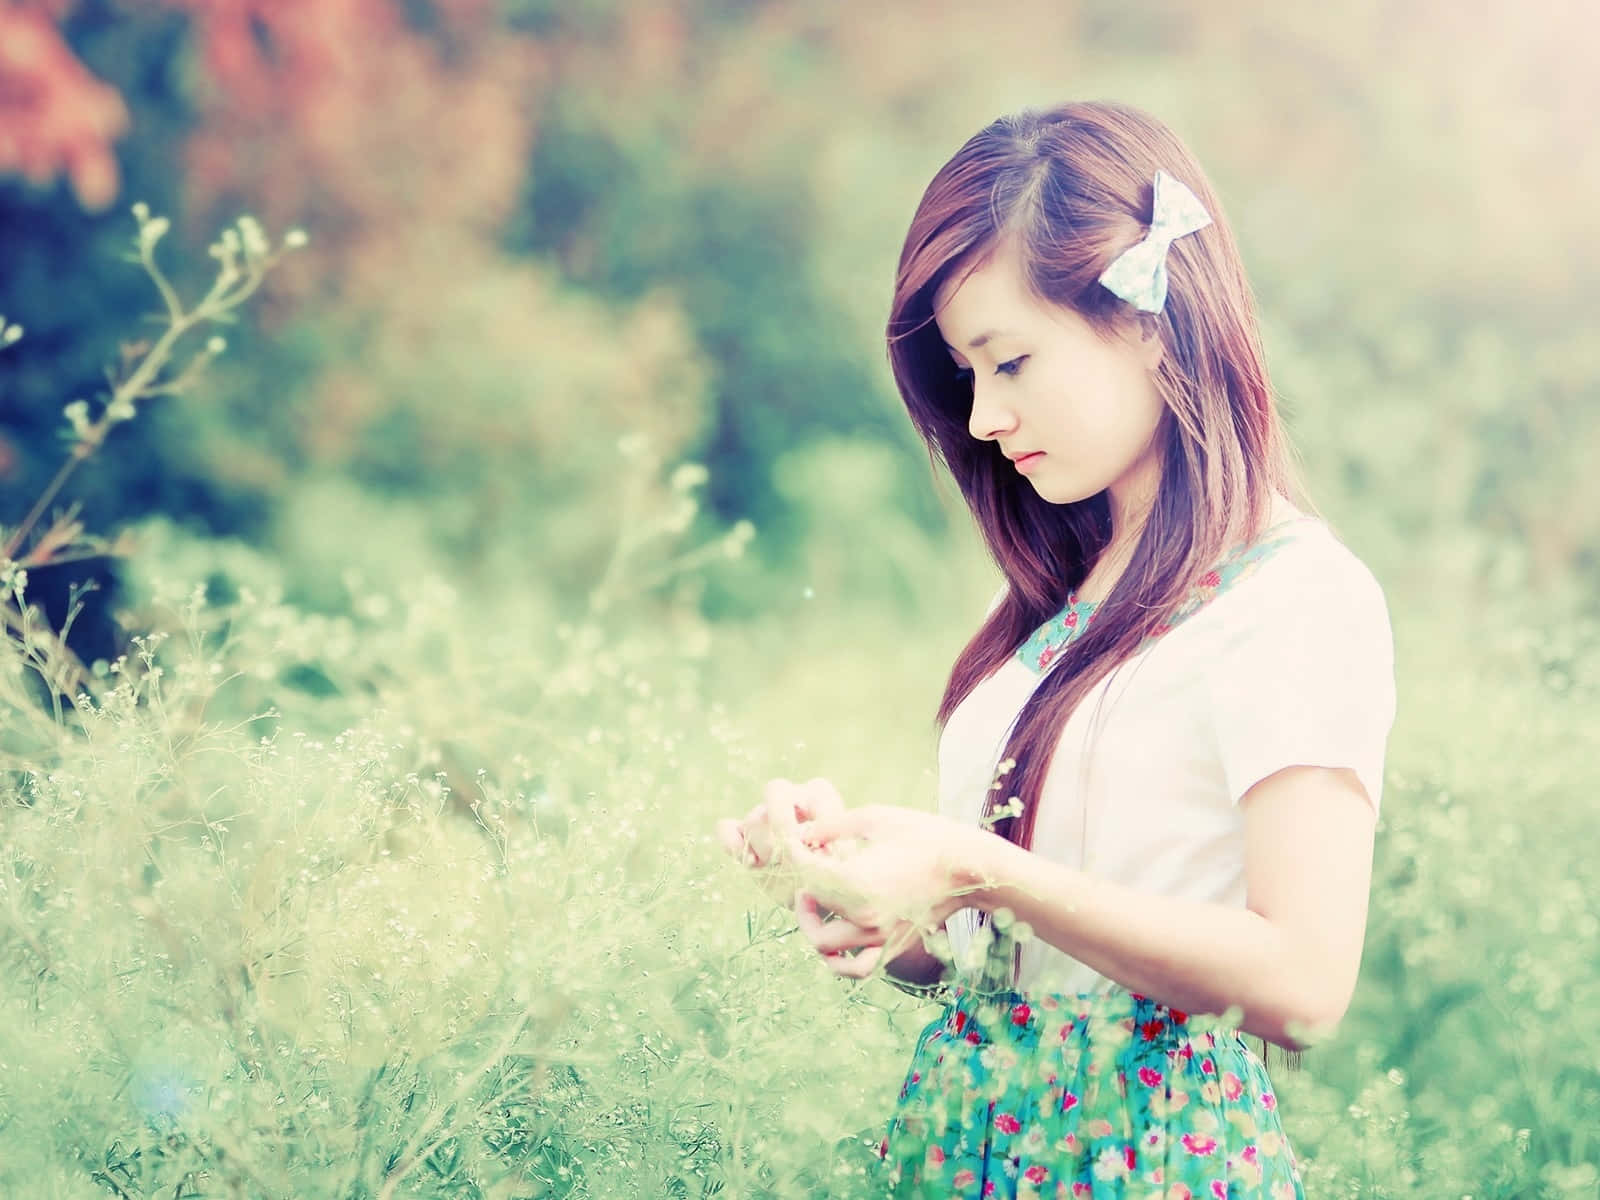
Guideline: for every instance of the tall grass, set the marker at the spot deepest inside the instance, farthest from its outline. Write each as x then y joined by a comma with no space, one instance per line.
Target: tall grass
444,921
418,901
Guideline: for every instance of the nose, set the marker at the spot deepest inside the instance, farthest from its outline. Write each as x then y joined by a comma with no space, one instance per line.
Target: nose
990,418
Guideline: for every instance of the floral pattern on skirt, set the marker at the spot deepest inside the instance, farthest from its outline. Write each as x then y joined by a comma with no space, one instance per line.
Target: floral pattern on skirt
1054,1096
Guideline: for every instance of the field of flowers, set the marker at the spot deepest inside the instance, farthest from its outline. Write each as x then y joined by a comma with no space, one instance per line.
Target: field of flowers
405,619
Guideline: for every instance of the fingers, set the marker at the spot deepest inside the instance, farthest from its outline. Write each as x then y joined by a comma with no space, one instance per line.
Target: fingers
837,826
855,966
775,823
781,821
782,802
835,934
834,938
731,834
822,799
867,961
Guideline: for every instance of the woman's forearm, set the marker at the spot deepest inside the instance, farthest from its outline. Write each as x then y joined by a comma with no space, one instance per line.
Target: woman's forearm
1191,955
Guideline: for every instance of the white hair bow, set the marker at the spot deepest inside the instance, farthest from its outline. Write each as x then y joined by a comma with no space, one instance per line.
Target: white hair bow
1139,274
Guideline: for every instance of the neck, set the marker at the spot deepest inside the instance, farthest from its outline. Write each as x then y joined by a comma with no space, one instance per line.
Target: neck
1130,509
1131,500
1110,563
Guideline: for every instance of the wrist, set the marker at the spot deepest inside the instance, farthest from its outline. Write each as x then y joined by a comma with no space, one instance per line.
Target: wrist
977,876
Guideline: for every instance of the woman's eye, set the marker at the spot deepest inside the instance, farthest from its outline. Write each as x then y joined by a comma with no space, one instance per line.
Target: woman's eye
964,374
1011,366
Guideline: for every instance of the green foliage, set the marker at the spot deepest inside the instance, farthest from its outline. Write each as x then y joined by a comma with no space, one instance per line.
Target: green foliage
611,199
452,929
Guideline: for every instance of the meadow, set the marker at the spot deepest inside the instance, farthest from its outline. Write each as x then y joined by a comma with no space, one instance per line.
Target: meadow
404,630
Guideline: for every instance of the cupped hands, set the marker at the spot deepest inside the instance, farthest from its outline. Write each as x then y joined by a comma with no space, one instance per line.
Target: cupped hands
866,884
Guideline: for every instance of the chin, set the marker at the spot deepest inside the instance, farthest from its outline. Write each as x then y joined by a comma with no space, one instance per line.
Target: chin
1055,493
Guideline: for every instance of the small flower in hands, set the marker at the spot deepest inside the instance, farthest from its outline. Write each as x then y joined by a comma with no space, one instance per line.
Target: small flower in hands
758,841
885,874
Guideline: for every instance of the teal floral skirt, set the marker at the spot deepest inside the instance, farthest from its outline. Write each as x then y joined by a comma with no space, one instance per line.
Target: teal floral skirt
1052,1096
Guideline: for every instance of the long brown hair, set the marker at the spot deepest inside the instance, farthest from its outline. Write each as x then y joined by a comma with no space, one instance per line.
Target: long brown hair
1073,186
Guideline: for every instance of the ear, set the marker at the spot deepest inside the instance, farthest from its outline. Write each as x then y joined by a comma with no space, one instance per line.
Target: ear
1148,343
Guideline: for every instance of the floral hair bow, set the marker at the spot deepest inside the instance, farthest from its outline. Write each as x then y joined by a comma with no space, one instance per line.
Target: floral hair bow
1139,274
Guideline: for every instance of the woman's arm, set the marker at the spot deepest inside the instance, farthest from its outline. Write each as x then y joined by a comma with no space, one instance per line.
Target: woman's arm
1288,959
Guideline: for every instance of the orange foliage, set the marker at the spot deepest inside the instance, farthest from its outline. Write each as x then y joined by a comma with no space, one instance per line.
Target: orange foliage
334,114
338,115
403,153
54,115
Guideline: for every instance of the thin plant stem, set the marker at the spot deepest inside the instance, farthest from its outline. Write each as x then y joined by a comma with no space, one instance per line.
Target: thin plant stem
9,550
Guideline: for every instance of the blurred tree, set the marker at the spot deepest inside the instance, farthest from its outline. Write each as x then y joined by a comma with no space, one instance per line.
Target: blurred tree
55,116
1413,183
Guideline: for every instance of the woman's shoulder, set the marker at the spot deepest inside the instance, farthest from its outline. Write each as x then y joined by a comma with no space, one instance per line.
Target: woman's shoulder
1305,559
1303,577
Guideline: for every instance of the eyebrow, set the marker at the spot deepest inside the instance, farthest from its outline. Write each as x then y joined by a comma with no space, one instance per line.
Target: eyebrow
978,342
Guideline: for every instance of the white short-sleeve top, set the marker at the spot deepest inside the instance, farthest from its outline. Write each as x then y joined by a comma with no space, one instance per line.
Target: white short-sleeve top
1291,663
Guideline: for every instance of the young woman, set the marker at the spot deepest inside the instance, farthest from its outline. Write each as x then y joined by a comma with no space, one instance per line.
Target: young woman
1162,751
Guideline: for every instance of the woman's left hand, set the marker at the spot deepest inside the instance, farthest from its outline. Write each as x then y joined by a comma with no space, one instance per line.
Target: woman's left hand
873,880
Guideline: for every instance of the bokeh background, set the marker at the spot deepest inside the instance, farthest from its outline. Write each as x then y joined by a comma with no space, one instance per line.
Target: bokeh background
451,654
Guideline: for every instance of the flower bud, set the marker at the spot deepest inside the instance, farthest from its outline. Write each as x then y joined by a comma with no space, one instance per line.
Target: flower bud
689,476
737,538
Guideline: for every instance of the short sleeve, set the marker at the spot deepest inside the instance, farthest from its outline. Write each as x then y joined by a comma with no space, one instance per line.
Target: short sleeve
1305,676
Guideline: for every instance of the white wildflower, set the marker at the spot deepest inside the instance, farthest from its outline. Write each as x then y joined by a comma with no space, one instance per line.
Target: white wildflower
255,241
77,414
152,231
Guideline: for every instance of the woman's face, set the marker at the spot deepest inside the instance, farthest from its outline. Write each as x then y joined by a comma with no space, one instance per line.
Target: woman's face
1076,413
